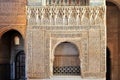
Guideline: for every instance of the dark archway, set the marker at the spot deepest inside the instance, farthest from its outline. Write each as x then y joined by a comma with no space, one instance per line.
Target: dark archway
66,59
11,43
20,66
113,37
108,60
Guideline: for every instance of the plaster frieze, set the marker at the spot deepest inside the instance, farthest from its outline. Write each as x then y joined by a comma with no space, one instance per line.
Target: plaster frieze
66,16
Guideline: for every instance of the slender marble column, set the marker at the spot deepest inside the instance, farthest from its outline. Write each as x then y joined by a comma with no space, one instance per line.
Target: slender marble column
47,2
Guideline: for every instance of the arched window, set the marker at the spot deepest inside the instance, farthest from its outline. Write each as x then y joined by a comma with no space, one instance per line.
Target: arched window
20,66
16,40
66,61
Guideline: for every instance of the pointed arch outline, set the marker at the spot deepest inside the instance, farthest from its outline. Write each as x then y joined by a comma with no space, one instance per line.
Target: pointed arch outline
7,29
114,2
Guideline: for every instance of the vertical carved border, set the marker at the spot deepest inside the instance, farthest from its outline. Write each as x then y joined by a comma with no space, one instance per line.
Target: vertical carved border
103,51
47,53
53,42
85,62
29,53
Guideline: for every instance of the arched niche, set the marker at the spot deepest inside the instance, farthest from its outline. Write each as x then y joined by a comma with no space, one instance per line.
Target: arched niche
66,59
108,64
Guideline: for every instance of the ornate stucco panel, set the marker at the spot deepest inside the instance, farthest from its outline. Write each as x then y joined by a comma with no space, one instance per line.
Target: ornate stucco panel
82,25
72,15
36,54
94,51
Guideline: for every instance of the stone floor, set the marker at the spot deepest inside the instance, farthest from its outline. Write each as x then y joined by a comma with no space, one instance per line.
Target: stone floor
66,78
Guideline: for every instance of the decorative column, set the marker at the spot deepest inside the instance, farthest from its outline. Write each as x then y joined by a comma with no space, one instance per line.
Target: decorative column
47,2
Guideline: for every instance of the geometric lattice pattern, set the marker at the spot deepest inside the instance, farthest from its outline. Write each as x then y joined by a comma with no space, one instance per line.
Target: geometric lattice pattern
66,70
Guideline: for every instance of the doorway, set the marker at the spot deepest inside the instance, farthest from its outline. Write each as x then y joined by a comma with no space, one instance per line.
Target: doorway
20,66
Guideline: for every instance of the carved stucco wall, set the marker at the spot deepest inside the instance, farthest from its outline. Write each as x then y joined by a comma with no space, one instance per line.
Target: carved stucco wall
49,26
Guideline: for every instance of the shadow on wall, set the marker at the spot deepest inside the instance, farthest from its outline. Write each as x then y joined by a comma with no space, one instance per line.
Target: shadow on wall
108,60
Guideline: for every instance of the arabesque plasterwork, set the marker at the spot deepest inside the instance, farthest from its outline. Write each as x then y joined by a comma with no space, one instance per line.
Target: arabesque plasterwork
50,25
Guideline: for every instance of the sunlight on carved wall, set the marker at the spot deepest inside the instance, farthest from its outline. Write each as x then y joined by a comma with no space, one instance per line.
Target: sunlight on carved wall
57,22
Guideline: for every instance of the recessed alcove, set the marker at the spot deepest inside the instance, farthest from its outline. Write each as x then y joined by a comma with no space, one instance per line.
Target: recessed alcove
66,60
